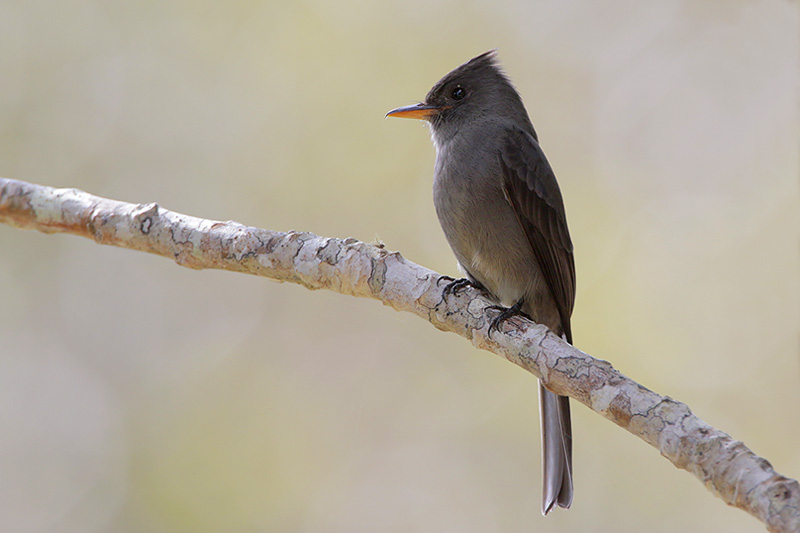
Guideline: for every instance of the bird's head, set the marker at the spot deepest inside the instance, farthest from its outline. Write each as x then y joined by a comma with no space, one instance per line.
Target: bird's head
476,91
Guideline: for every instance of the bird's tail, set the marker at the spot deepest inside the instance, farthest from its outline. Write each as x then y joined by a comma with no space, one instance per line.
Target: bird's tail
556,450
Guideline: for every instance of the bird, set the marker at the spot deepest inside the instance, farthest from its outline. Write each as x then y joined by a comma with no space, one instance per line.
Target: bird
503,215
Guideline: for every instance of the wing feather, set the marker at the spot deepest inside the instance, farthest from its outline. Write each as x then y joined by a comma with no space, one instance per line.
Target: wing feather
531,188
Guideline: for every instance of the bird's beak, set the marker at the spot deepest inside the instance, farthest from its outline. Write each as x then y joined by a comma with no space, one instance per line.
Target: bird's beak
417,111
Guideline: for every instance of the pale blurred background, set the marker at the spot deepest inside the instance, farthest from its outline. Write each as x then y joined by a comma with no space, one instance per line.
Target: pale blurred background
137,396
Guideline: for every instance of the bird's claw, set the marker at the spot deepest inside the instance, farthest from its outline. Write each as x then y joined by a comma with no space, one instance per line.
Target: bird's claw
456,285
505,313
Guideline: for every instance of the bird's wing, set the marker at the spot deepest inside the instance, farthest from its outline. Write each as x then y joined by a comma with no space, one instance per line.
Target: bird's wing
531,188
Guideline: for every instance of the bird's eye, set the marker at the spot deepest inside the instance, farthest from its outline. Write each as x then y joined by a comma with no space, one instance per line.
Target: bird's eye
459,93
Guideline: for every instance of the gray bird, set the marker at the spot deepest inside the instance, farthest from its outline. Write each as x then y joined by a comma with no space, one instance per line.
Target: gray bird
502,213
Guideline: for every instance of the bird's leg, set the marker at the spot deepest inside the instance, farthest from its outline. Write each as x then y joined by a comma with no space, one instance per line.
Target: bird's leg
505,313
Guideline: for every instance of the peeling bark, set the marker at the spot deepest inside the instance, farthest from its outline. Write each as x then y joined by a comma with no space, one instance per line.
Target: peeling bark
725,466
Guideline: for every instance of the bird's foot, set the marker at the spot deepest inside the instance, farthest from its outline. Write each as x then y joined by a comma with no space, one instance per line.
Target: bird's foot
505,313
454,286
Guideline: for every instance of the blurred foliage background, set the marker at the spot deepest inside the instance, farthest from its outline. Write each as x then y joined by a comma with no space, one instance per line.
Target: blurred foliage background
139,396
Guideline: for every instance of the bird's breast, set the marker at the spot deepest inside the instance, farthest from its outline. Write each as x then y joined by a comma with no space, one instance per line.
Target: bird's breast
479,223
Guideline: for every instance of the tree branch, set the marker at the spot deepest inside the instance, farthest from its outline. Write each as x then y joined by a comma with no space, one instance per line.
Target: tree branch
725,466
